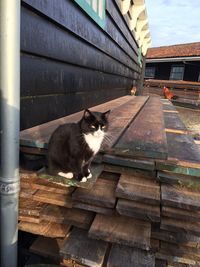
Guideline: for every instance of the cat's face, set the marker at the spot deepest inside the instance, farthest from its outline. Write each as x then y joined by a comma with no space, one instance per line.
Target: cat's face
95,123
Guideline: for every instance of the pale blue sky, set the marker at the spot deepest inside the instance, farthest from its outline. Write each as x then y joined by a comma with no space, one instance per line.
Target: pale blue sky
173,21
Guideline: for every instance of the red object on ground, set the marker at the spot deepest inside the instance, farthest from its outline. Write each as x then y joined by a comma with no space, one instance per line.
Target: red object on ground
167,93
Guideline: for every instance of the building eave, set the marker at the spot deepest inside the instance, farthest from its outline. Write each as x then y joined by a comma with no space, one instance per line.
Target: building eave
172,59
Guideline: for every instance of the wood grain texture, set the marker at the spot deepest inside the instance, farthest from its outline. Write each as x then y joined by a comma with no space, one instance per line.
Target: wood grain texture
30,207
139,188
138,210
175,225
47,247
130,257
83,249
145,137
55,199
129,162
47,229
94,208
122,230
181,214
77,217
179,197
102,194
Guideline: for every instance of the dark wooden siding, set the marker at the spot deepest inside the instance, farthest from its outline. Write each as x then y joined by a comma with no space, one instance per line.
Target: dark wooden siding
68,62
163,69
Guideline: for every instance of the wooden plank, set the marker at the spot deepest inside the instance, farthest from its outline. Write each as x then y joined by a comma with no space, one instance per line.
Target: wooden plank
83,249
119,169
47,247
70,263
162,256
130,257
184,239
72,216
187,181
30,179
145,137
94,208
38,136
96,170
179,250
121,118
181,226
30,207
29,218
138,210
181,214
102,194
55,199
129,162
179,197
179,166
27,193
139,187
111,176
122,230
47,229
173,121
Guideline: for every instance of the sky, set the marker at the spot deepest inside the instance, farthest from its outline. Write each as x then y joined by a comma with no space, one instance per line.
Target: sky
173,21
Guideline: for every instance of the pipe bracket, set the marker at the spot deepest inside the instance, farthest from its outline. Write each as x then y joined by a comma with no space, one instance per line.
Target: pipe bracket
8,188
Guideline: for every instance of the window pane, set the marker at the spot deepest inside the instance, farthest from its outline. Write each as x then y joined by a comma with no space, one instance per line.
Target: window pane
150,72
177,73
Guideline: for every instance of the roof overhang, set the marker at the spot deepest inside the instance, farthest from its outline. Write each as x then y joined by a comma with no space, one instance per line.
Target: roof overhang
172,59
137,21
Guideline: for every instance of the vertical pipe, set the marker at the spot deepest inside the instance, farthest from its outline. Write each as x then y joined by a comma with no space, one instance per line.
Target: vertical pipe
9,135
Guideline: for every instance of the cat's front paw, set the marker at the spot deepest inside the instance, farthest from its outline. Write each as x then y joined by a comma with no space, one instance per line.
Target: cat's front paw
88,174
68,175
83,180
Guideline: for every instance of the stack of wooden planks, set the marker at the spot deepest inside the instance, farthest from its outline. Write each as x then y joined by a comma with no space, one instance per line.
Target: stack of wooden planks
141,208
186,93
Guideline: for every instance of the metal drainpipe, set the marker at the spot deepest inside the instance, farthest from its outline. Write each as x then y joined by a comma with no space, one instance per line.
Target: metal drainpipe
9,115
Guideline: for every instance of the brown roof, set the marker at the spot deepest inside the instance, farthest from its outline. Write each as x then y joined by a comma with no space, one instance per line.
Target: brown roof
180,50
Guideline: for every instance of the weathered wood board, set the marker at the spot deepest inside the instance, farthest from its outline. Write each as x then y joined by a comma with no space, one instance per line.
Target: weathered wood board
188,181
94,208
30,180
29,218
48,229
130,162
130,257
55,199
173,121
176,225
83,249
183,239
139,188
138,210
96,170
180,251
30,207
146,136
102,194
181,214
180,197
38,136
122,230
72,216
47,247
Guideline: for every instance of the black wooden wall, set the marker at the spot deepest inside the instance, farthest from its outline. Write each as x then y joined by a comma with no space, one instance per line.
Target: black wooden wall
68,62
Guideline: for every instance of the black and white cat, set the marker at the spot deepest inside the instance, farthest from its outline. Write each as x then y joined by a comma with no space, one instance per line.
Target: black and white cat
72,146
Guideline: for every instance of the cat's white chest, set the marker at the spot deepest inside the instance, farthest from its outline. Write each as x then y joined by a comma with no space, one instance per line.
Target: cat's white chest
94,142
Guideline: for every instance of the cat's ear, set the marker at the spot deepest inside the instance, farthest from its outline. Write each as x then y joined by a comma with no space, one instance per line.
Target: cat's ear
106,114
86,114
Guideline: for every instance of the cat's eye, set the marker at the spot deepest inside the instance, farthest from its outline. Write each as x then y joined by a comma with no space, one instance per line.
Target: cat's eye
92,126
103,127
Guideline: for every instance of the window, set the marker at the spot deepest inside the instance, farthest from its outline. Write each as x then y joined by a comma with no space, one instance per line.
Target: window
150,72
177,73
95,9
